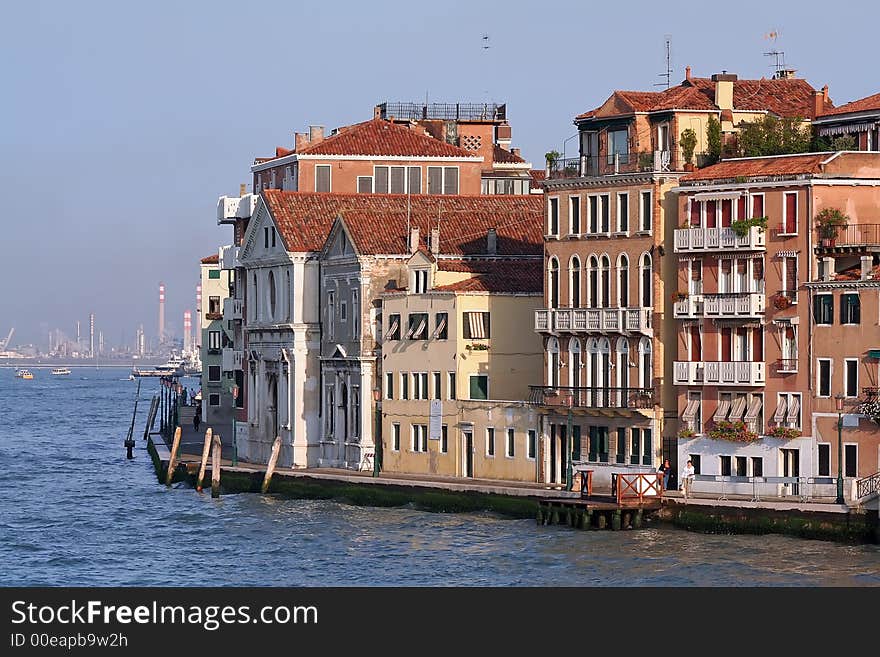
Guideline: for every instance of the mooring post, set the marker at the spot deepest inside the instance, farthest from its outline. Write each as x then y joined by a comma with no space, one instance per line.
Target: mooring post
215,468
615,520
587,519
171,461
209,434
270,469
539,517
603,521
627,517
637,519
554,515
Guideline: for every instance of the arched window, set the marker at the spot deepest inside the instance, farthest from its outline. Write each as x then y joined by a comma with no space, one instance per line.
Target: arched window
272,295
646,364
594,282
623,281
553,362
622,363
574,363
604,363
553,283
645,284
606,282
343,404
574,288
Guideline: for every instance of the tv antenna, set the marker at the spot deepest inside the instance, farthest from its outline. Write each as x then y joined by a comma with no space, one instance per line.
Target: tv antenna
486,44
779,55
668,73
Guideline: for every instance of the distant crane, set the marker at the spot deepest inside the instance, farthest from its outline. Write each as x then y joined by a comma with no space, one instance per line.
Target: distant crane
5,344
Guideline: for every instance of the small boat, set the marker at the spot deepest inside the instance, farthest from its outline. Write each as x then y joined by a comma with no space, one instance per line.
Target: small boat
60,371
24,374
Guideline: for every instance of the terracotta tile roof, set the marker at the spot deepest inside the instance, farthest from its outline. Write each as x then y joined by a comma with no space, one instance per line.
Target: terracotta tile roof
379,137
868,104
377,223
854,273
213,259
538,176
499,276
787,98
784,165
505,156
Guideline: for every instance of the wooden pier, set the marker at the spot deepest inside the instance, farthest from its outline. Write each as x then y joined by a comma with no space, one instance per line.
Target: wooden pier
595,512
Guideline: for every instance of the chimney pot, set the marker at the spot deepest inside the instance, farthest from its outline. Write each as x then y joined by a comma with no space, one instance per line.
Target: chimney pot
316,133
687,72
867,265
435,241
301,140
414,240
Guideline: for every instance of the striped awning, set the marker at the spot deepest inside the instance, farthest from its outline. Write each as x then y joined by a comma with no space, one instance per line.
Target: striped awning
417,334
475,321
440,327
779,415
717,196
846,128
392,329
793,409
786,254
721,412
754,408
690,411
739,407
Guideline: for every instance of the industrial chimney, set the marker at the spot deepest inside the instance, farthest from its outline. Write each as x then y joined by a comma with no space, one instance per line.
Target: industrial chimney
187,332
161,313
199,315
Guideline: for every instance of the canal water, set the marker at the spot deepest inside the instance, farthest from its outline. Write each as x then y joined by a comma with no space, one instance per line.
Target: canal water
75,512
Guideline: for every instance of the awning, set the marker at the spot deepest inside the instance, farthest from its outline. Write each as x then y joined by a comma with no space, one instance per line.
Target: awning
717,196
754,408
440,327
419,329
392,329
739,407
779,416
793,410
786,254
690,411
847,128
721,413
873,353
476,325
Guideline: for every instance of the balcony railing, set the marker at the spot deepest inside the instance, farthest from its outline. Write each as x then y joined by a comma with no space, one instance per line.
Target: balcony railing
855,235
605,165
722,305
787,365
732,373
594,320
570,397
718,239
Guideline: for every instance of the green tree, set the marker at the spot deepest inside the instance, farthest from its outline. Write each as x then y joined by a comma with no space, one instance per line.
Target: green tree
713,139
688,143
771,135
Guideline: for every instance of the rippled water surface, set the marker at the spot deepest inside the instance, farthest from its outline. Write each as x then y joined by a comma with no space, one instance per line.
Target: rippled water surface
74,511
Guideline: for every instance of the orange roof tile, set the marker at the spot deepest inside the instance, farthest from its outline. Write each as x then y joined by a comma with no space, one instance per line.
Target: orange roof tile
782,165
538,176
867,104
521,276
379,137
213,259
505,156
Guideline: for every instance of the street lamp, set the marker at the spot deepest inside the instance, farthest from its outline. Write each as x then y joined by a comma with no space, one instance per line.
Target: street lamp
178,389
234,425
569,474
377,439
838,398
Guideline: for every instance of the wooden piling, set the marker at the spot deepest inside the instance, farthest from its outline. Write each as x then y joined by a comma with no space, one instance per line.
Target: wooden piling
587,519
175,445
209,435
215,468
627,517
637,519
615,520
554,515
603,521
270,469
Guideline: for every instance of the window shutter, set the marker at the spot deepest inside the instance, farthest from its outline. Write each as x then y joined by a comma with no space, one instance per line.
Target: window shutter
757,206
414,175
380,178
397,180
450,180
365,184
322,178
726,212
791,213
435,180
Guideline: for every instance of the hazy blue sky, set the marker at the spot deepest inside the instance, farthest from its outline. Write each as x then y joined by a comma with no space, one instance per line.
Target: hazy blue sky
122,122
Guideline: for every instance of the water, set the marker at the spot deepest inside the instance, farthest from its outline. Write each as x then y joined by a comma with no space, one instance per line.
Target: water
75,512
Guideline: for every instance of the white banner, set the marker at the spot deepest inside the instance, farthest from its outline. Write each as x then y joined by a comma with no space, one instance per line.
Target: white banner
436,420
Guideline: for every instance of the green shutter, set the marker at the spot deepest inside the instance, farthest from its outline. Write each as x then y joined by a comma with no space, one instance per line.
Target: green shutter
214,273
479,387
873,353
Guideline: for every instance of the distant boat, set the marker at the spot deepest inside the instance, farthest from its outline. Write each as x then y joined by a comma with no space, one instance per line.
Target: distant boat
60,371
24,374
176,366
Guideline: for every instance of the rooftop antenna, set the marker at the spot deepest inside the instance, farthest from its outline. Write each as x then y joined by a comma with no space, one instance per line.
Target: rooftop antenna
485,44
668,73
779,55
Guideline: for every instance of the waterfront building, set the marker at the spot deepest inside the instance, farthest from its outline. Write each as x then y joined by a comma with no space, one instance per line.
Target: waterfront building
607,324
777,316
216,336
858,120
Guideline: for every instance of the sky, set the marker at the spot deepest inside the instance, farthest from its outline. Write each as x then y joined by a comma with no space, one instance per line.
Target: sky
121,123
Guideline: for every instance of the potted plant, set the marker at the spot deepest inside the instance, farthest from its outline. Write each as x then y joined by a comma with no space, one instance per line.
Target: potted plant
552,158
687,433
829,222
646,161
781,301
785,433
732,431
688,141
741,227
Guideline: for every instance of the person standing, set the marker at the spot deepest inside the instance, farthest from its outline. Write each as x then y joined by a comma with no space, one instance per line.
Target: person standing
665,470
687,479
197,418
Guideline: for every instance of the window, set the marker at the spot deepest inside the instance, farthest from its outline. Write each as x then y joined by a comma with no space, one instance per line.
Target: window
330,412
621,445
618,145
322,177
435,180
532,446
380,178
490,442
420,385
823,309
824,459
450,180
646,282
441,326
635,445
695,461
645,211
725,465
213,341
757,466
214,373
741,463
622,281
331,314
420,281
790,277
790,214
265,237
850,308
553,282
647,447
605,214
214,273
437,391
365,185
418,326
273,234
574,214
553,217
419,437
395,437
389,385
414,180
695,280
479,387
510,444
343,311
692,415
393,332
398,180
605,283
788,410
450,385
824,377
355,411
404,385
476,326
851,377
623,212
214,399
850,460
593,202
444,439
355,315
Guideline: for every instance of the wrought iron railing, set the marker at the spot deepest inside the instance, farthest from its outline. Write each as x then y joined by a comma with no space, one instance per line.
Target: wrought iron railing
593,397
868,485
853,235
609,164
787,365
444,111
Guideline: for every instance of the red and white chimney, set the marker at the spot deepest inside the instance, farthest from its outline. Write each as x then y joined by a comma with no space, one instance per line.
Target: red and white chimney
199,315
187,331
161,313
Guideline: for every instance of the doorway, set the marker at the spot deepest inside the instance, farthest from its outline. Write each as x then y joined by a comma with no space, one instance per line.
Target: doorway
468,439
790,468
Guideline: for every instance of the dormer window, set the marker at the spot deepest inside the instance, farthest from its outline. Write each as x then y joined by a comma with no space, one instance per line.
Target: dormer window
420,281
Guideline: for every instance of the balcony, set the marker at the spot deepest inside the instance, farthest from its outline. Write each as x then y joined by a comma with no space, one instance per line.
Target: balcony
229,257
857,237
567,397
787,365
594,320
607,165
233,359
733,305
701,240
232,309
715,373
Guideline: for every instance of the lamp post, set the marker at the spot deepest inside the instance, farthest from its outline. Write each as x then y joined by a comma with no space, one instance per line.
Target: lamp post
234,426
838,398
178,390
569,474
377,439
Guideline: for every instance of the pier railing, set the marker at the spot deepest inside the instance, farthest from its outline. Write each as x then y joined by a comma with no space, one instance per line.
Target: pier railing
755,489
638,486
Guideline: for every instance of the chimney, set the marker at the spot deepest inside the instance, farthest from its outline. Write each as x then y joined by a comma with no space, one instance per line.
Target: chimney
867,265
377,112
818,103
724,89
242,190
414,240
435,241
503,135
492,242
316,133
825,92
301,140
515,151
687,72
